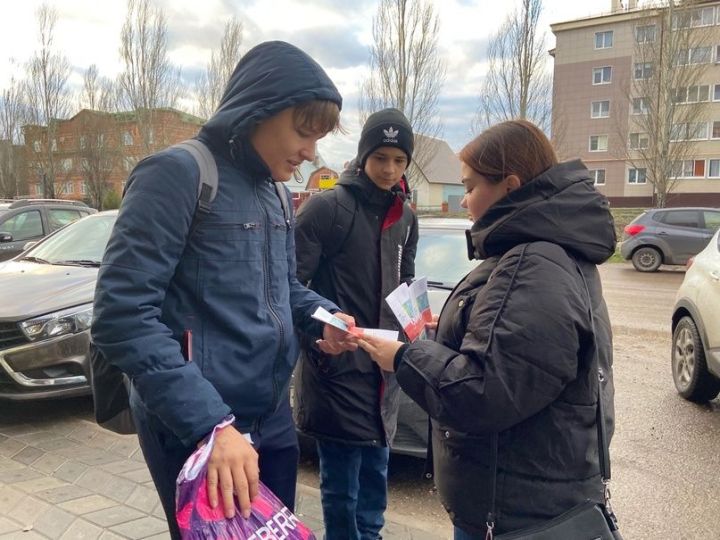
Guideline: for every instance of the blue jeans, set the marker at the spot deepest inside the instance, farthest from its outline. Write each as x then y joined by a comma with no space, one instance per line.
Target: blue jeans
353,487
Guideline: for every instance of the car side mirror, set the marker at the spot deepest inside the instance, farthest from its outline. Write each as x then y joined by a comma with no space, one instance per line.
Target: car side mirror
28,245
5,237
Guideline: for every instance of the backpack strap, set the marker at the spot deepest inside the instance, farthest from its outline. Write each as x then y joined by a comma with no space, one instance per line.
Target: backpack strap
208,182
282,194
345,210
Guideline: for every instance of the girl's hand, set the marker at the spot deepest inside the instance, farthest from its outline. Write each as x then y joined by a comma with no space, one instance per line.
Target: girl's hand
382,351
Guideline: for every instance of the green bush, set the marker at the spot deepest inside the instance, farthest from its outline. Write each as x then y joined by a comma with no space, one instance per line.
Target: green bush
111,201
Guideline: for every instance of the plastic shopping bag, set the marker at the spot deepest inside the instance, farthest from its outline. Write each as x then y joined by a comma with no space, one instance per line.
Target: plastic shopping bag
269,518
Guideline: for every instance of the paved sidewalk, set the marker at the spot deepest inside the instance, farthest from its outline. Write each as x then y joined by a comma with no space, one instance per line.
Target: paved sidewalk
62,476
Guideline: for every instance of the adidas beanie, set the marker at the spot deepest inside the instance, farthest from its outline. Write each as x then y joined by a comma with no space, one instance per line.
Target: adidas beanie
388,127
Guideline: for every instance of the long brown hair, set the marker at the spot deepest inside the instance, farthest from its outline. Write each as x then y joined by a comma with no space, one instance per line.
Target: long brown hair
514,147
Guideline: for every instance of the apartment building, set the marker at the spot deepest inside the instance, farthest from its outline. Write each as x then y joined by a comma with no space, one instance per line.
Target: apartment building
94,146
601,116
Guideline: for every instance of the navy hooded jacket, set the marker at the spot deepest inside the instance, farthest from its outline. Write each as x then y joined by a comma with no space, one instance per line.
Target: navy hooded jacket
231,282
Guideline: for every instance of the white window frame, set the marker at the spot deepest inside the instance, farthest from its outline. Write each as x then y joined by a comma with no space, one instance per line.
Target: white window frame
643,110
69,187
643,70
599,138
643,29
639,137
595,175
127,138
53,145
635,170
712,129
599,113
601,70
66,164
686,165
603,35
708,168
84,187
36,145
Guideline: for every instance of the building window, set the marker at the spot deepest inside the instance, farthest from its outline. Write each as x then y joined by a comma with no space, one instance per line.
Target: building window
151,136
717,51
100,140
640,105
68,188
36,144
694,18
84,188
689,168
39,189
689,131
127,138
600,109
53,145
85,164
598,143
637,176
643,70
692,94
716,92
602,75
714,168
598,176
129,163
66,164
639,141
695,55
83,141
716,130
645,33
604,40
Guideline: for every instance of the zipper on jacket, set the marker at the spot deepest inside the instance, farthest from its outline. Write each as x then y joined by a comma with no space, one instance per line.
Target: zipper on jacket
266,268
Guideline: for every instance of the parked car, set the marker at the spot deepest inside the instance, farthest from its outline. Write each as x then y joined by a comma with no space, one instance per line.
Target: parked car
29,220
46,311
668,236
696,327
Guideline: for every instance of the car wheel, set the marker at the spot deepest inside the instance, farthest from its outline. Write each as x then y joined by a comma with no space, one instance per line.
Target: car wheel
647,259
692,379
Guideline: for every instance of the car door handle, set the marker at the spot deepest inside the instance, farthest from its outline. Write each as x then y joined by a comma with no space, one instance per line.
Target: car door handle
715,275
662,233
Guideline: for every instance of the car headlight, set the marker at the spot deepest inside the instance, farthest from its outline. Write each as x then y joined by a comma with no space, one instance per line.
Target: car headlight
67,321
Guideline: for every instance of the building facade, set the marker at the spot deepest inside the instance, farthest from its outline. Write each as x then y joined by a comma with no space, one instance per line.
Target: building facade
94,148
608,83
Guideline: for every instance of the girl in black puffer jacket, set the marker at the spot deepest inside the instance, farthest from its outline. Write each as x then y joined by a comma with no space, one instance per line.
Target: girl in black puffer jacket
510,374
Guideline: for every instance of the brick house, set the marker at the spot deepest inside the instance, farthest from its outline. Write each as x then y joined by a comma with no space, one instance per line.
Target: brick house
93,152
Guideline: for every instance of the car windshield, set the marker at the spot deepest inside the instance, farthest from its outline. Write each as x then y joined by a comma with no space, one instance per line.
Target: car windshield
81,243
442,256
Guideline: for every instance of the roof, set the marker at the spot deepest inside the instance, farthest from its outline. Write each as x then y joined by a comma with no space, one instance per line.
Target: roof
442,165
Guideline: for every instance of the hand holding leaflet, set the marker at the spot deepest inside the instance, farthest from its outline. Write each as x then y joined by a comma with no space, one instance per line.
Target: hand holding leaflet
411,307
328,318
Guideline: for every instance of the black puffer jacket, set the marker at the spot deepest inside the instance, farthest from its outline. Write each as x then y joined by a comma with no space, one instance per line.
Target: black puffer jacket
514,358
347,397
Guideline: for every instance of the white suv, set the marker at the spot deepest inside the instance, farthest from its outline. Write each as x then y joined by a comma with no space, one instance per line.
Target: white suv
696,327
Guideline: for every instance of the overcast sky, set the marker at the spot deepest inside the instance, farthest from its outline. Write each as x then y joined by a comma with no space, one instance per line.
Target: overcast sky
337,33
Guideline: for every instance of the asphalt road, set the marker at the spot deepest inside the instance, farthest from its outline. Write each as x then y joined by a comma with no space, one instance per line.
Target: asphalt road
666,451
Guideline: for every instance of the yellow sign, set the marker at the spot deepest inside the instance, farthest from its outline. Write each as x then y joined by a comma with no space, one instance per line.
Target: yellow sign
327,181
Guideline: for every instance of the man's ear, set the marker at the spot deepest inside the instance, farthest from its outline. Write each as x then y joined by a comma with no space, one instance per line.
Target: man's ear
513,182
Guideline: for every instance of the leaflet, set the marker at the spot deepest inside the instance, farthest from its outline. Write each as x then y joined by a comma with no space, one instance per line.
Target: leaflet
325,316
411,308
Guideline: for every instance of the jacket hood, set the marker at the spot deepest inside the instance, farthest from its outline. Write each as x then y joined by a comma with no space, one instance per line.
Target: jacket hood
268,79
560,206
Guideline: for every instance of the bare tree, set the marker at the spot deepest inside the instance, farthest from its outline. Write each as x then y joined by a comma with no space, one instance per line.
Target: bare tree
406,71
673,51
100,153
97,93
149,81
12,113
517,84
47,95
211,84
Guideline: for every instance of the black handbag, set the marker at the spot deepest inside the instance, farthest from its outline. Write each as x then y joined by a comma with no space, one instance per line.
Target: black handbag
588,520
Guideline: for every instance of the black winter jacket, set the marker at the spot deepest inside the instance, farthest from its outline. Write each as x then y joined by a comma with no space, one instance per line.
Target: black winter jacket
348,398
513,363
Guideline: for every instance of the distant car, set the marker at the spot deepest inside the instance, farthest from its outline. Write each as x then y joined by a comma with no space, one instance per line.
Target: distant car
29,220
46,310
442,258
696,327
668,236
